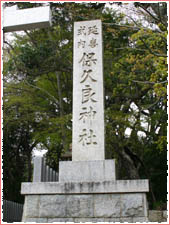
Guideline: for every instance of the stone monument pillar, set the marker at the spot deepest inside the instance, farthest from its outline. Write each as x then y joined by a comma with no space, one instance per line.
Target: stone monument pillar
87,190
88,148
88,96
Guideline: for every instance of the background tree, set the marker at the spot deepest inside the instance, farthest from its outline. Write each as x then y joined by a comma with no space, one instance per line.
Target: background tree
137,99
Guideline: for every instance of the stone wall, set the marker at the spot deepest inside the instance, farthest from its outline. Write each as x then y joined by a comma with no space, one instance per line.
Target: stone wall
157,216
129,207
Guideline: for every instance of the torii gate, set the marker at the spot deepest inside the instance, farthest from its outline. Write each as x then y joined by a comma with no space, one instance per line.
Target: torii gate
26,19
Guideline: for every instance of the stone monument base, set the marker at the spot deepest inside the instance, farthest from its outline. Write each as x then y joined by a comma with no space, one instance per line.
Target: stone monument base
105,201
87,191
80,171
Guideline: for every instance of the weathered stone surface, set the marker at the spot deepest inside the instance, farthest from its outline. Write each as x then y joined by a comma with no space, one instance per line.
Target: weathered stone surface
88,220
132,205
95,208
104,220
88,96
62,220
118,186
118,220
79,206
36,220
52,206
140,220
74,171
38,169
165,215
31,206
125,220
145,204
107,205
155,216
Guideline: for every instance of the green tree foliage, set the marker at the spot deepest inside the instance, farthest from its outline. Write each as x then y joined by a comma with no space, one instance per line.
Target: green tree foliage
139,75
38,91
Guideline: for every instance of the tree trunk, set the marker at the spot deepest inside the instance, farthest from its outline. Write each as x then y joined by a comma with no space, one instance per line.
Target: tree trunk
61,109
129,165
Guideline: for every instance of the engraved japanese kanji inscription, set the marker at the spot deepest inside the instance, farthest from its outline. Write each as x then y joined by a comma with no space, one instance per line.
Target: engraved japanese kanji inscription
88,100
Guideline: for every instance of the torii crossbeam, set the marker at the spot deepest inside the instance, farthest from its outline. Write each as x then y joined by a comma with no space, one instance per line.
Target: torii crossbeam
26,19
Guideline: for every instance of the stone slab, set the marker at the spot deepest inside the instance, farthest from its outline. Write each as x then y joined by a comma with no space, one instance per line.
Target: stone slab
155,216
132,205
88,220
79,206
165,214
109,207
80,171
52,206
118,186
24,19
31,206
88,96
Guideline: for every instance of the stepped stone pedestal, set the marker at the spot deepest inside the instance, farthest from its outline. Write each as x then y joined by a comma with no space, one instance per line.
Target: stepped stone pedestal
86,192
